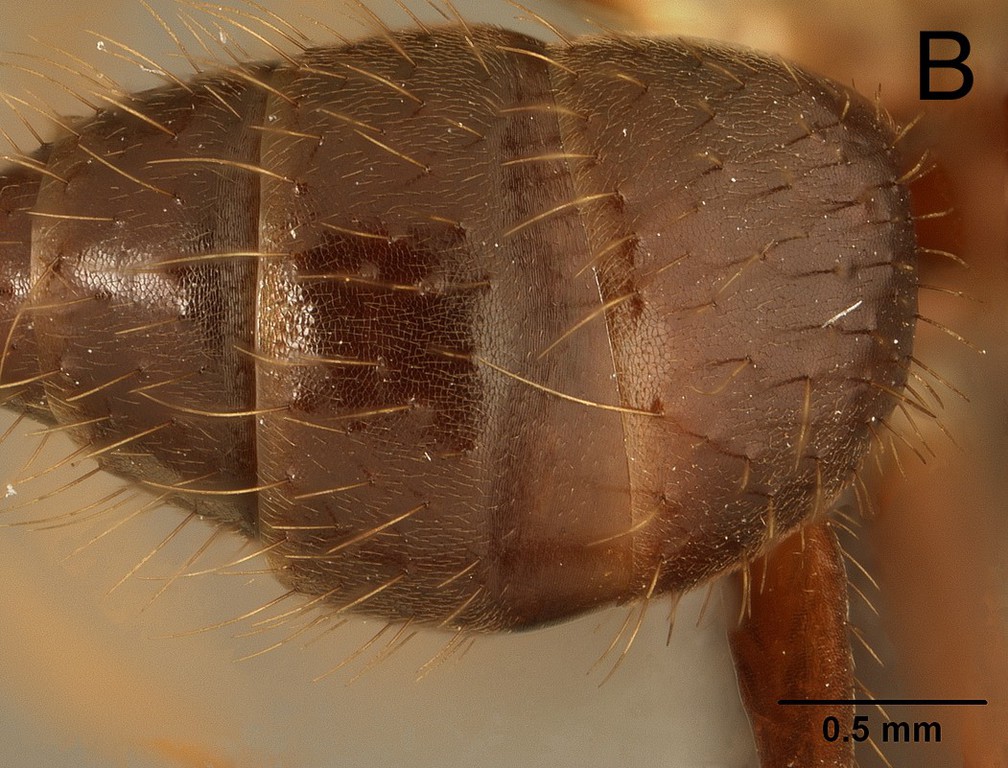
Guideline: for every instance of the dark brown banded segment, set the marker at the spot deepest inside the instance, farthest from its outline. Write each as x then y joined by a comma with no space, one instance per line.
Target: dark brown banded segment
423,272
767,258
145,334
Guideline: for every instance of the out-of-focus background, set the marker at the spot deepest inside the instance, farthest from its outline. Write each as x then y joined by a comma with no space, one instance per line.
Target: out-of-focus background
90,679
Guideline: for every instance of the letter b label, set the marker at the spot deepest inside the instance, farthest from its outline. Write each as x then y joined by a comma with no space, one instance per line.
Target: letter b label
927,63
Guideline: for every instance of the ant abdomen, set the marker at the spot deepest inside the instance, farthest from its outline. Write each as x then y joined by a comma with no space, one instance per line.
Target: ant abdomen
474,330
